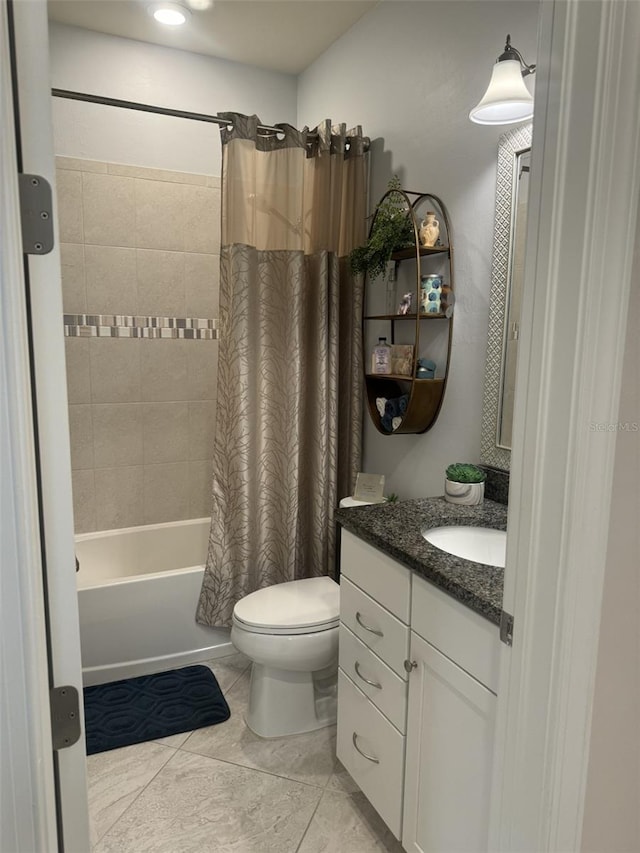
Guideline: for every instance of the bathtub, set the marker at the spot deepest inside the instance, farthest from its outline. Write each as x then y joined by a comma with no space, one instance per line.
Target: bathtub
137,594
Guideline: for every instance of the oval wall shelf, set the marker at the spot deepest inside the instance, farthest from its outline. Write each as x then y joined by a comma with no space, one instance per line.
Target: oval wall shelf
425,396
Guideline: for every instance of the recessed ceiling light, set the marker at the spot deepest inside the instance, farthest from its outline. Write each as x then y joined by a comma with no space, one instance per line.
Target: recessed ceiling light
171,14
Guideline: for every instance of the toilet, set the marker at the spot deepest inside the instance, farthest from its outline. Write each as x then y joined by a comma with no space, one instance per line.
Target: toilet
290,633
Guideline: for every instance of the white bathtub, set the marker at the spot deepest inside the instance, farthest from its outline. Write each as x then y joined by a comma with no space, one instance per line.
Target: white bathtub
137,594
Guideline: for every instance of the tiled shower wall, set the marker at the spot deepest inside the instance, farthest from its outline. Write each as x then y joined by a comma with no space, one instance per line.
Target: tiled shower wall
142,243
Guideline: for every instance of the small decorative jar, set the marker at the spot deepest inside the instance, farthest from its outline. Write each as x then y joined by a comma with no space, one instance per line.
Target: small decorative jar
430,294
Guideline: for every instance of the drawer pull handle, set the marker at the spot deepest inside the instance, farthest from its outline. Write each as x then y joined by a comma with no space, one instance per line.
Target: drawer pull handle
367,627
364,754
377,684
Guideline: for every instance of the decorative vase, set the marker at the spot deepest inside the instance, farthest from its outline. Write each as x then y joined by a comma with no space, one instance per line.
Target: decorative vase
468,494
429,230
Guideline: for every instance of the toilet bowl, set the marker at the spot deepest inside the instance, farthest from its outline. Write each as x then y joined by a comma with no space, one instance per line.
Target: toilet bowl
290,633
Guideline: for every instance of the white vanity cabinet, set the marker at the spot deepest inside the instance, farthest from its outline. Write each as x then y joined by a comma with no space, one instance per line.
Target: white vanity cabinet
375,601
419,745
450,725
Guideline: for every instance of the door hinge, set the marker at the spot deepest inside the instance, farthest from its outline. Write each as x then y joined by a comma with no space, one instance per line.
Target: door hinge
65,716
36,214
506,628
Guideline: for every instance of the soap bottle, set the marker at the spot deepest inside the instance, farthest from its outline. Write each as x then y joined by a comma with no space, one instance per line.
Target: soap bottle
381,361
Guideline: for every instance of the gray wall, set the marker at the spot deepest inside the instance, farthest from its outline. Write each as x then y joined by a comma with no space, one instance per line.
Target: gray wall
85,61
409,72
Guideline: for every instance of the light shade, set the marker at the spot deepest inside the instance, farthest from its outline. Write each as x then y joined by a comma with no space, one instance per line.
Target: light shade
171,14
507,99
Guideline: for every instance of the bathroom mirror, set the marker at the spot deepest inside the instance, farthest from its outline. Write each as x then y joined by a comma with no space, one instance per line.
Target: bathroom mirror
512,185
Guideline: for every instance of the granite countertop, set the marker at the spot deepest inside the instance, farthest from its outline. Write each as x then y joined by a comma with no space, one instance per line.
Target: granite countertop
396,529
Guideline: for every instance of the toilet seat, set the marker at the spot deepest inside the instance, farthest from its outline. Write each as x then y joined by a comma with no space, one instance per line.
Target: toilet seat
303,606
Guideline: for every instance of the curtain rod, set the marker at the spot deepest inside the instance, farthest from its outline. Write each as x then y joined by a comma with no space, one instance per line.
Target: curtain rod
148,108
165,111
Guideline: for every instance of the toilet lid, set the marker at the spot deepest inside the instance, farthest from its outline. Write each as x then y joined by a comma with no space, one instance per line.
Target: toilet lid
296,607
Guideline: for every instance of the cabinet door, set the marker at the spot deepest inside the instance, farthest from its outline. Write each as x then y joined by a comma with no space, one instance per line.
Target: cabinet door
450,730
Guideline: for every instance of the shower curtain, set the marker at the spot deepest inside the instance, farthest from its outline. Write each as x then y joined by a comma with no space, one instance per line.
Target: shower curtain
289,406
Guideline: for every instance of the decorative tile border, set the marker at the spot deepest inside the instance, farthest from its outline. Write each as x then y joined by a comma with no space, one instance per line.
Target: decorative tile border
129,326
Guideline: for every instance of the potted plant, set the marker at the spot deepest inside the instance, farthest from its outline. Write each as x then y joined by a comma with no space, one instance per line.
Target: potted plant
464,484
392,229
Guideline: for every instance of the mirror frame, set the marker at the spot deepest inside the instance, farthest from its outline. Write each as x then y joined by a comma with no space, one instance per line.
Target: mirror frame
510,145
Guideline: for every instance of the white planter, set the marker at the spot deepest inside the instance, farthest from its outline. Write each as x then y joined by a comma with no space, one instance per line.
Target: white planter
468,494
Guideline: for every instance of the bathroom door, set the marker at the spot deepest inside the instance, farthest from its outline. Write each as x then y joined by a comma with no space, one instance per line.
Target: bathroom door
28,35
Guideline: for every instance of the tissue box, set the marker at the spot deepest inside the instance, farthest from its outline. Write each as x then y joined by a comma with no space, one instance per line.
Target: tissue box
402,359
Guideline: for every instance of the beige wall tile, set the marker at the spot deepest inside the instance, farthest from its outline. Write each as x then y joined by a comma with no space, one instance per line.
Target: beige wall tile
166,492
84,501
200,474
75,164
74,294
108,205
130,459
159,215
201,219
119,497
117,434
81,436
147,173
202,430
164,370
214,181
115,370
69,194
203,369
202,284
78,370
111,280
166,432
161,283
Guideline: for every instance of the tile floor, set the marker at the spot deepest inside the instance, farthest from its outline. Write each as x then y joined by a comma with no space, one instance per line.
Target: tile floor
224,790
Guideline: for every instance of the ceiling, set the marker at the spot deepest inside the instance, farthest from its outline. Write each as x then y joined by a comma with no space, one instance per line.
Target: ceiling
279,35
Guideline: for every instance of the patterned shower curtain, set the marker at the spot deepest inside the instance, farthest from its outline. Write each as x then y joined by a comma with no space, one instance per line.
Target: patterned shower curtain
289,407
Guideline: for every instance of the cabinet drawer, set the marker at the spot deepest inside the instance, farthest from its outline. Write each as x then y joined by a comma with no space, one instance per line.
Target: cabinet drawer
363,729
376,627
378,575
362,667
458,632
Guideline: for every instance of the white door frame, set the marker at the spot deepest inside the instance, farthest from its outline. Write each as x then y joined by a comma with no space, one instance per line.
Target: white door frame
580,240
27,786
48,376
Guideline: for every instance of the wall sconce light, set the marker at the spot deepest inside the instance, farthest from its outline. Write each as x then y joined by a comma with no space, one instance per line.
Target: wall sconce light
170,14
507,99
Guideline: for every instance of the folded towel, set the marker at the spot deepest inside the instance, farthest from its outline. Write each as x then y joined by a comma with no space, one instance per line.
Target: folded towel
387,423
393,411
391,408
380,404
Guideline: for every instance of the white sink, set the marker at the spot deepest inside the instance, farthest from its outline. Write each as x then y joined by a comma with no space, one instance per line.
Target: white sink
479,544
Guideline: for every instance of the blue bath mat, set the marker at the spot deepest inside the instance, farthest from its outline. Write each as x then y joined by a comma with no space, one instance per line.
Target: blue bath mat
152,706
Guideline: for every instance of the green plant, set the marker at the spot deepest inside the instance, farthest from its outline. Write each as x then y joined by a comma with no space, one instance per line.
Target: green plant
392,498
392,229
465,472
